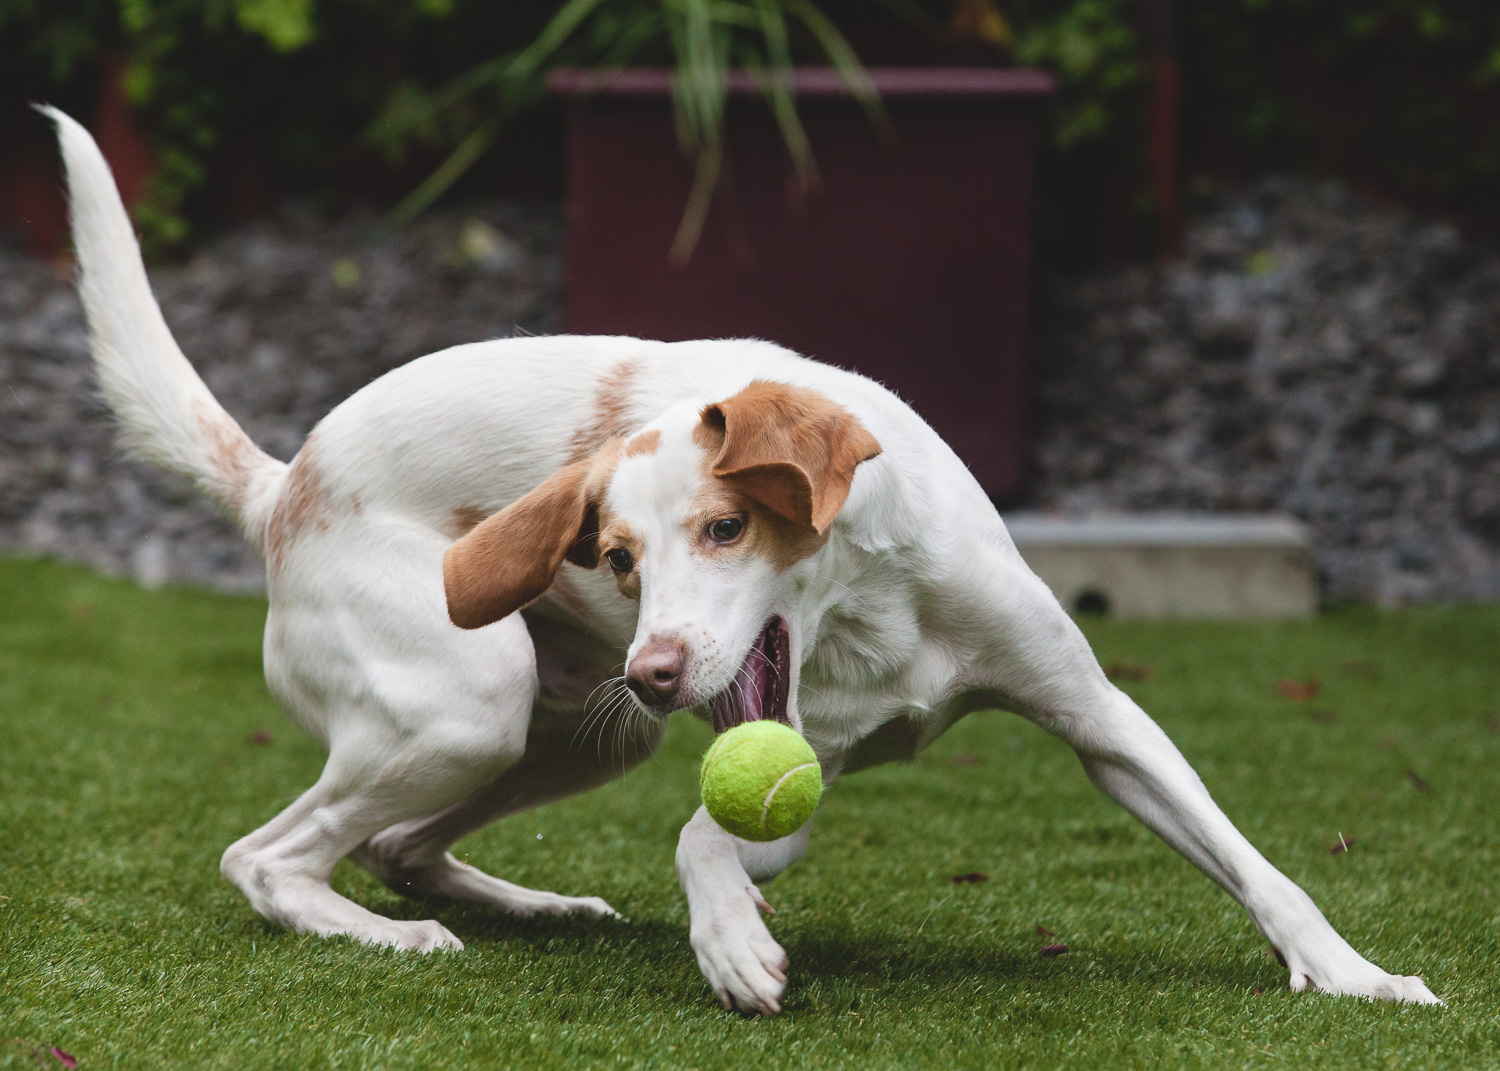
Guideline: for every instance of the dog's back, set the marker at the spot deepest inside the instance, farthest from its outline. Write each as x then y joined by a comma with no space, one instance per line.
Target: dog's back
442,440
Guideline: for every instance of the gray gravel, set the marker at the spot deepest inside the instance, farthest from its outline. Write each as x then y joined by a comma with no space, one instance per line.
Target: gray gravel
1311,353
1308,353
284,319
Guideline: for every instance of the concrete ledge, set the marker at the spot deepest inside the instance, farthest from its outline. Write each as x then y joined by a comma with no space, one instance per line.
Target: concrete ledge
1144,565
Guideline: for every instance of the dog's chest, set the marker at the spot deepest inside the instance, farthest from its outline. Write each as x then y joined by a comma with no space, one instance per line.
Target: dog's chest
875,687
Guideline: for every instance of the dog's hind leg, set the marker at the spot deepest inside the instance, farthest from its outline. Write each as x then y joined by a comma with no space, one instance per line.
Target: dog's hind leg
412,857
408,734
1032,656
283,868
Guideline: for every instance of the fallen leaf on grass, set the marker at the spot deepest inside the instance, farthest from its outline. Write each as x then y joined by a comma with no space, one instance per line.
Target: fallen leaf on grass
63,1058
1299,691
1356,668
1054,950
1387,742
1344,844
1257,991
1042,931
974,877
1324,716
260,736
1418,782
964,759
1127,671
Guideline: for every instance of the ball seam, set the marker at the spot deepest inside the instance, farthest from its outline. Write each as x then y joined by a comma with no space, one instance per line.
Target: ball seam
765,810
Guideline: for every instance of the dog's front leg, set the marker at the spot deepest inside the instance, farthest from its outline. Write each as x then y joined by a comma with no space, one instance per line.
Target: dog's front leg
1134,763
1039,663
718,871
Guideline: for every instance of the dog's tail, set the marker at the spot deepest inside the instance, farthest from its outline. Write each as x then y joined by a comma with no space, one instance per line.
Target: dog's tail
166,413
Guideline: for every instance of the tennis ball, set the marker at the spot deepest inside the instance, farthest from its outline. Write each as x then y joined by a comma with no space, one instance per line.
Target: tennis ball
760,780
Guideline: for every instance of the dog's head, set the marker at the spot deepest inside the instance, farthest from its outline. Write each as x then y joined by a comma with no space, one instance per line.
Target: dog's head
701,517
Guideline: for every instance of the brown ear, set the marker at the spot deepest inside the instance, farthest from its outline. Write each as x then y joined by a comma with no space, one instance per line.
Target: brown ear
510,558
791,449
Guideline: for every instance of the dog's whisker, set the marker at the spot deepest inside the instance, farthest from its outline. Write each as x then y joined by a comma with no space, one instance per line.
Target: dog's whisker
609,717
608,682
758,653
599,711
605,717
624,714
856,596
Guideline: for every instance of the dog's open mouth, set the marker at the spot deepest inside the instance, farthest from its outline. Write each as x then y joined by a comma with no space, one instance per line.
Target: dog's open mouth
759,690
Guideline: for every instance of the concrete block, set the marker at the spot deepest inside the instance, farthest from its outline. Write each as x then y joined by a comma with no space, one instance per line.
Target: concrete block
1179,565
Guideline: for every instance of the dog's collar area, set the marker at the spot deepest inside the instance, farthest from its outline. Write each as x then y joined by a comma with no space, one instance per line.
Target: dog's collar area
762,686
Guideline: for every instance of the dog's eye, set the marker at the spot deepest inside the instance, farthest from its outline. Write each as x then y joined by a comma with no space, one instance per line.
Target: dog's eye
619,559
726,529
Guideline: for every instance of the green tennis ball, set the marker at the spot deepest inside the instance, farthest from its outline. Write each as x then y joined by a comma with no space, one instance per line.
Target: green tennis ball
761,780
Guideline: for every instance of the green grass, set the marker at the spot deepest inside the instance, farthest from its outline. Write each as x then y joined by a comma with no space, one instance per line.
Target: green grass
127,764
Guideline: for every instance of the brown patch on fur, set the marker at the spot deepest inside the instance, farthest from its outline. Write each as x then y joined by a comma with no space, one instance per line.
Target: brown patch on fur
509,559
611,412
767,534
644,443
303,503
230,451
464,520
789,448
615,533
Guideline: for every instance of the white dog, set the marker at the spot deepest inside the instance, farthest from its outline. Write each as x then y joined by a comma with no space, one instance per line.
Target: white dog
461,550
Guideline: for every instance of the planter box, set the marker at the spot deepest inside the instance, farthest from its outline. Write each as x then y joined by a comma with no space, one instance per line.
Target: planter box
912,265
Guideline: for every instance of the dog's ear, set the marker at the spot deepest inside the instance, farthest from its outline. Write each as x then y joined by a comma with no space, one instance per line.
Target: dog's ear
791,449
509,558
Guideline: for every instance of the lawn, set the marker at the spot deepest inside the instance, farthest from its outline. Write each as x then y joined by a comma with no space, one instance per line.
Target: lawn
137,740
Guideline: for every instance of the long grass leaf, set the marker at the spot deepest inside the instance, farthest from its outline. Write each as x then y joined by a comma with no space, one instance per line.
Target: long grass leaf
436,184
779,89
844,60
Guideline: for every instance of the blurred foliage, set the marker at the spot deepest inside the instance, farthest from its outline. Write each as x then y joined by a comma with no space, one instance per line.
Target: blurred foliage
1091,46
286,86
369,95
700,40
1404,94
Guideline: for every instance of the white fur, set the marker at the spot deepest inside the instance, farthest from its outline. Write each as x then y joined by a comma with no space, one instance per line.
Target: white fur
916,611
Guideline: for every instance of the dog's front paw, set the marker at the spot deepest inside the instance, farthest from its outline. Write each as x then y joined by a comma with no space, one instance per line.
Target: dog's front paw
1351,975
738,955
1378,985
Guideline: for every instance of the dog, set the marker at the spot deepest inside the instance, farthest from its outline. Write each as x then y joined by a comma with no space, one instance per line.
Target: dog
461,550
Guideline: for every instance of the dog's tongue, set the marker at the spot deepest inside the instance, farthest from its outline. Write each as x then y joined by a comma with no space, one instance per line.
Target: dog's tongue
743,700
760,687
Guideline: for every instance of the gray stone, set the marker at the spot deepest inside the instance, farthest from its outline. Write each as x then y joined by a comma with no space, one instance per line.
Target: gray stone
1308,352
263,315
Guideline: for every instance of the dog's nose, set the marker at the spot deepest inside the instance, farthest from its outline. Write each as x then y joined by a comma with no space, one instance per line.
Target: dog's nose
655,673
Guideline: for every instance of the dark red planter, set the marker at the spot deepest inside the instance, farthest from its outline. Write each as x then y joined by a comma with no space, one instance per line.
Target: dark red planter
912,265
